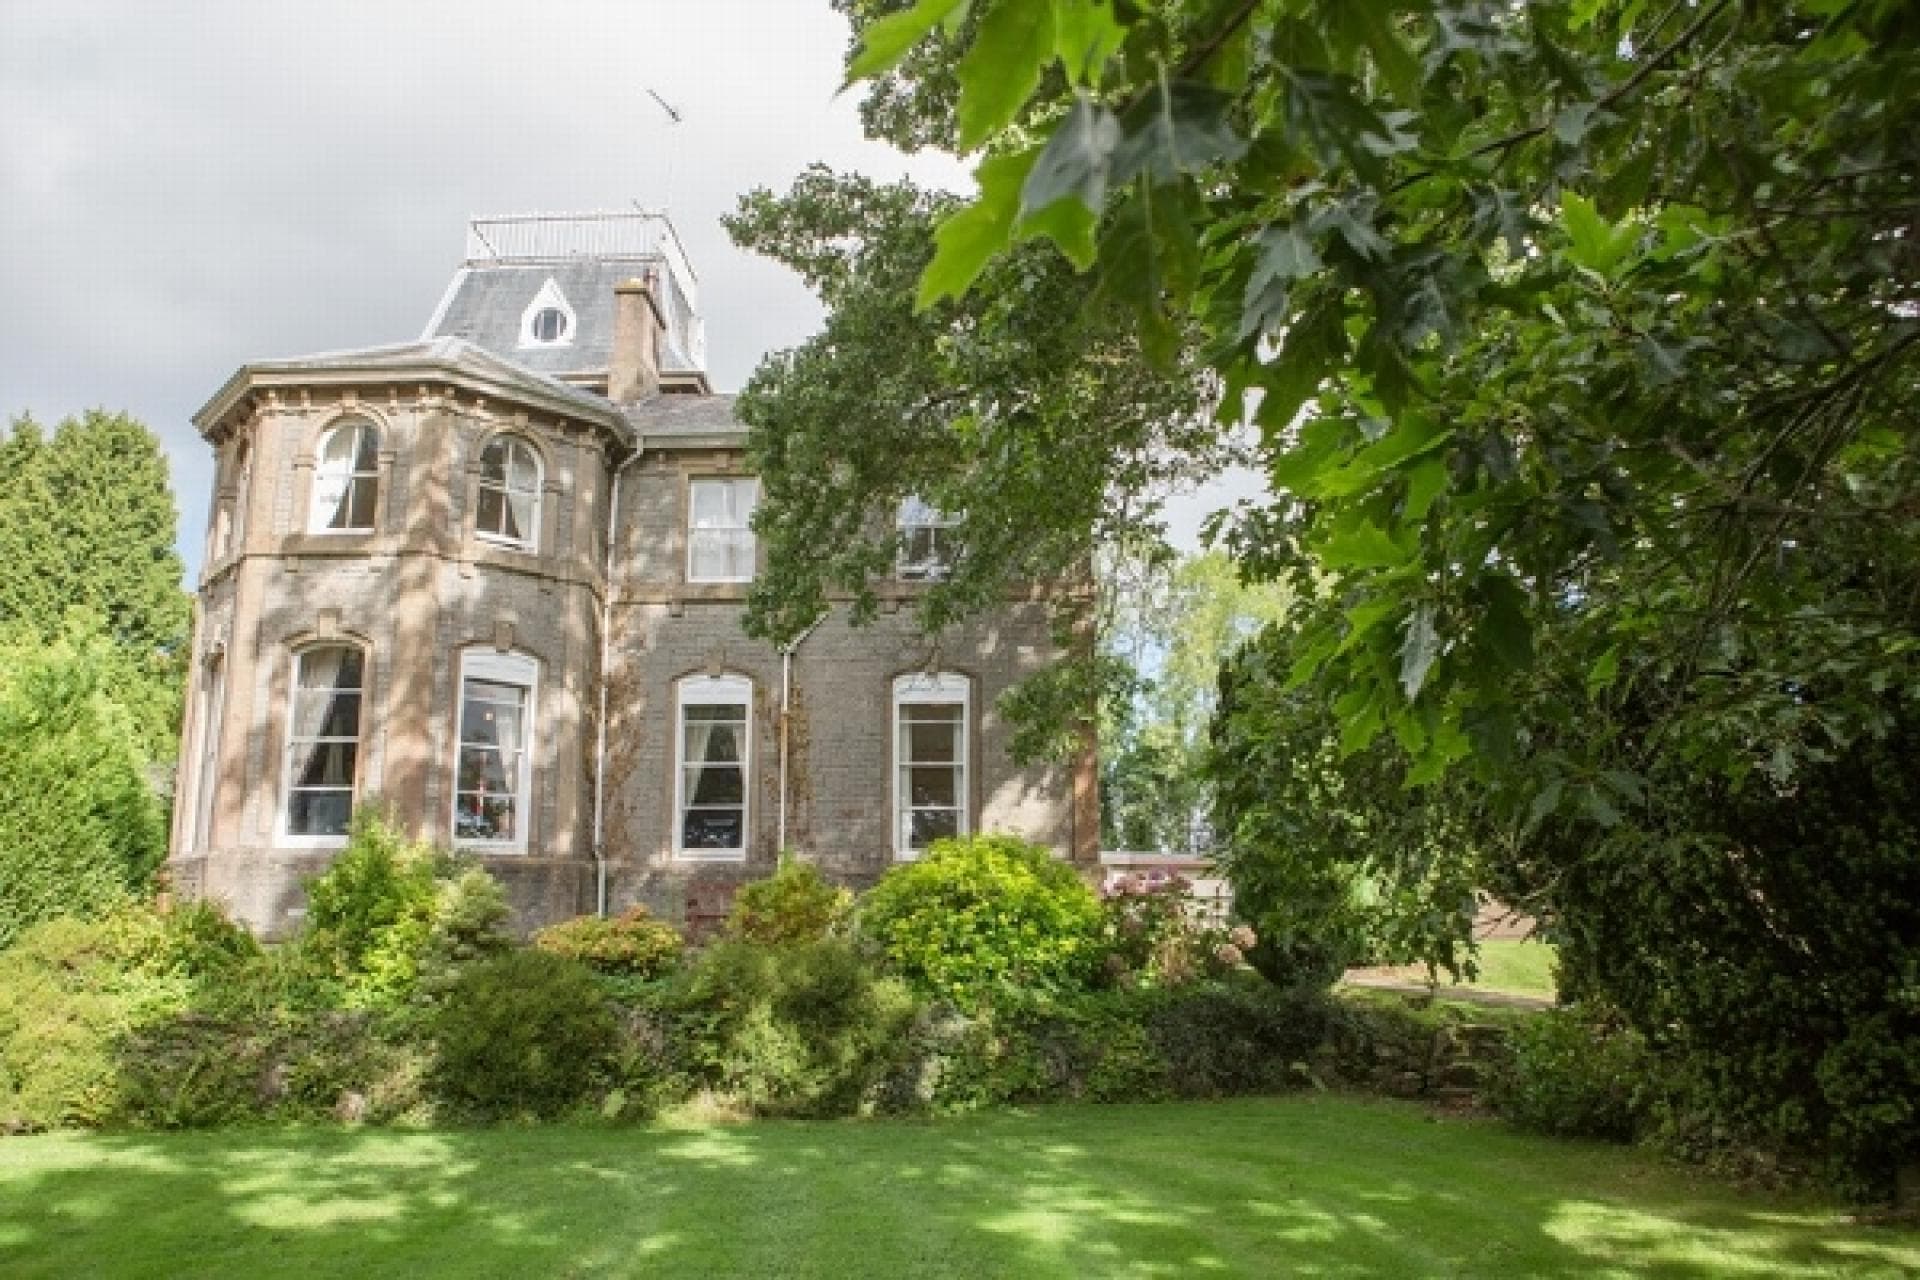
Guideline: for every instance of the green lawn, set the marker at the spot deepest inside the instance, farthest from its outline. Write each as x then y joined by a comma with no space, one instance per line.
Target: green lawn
1518,967
1314,1186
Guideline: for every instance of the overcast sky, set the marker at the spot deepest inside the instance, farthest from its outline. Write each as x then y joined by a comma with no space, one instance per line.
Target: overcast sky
187,187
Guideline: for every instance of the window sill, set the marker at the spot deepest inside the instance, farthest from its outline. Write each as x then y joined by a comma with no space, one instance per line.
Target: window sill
709,855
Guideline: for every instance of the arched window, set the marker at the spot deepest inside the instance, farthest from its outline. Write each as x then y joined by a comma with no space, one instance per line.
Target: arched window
715,752
930,728
346,479
493,761
510,479
323,741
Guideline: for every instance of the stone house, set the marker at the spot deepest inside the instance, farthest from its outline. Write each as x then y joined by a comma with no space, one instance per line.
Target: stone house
493,581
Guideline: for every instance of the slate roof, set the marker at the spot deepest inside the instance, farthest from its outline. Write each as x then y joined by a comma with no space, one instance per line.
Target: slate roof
486,302
684,415
448,355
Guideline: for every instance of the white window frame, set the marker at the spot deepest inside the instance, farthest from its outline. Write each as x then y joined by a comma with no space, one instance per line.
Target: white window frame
920,688
710,691
500,668
292,742
506,491
743,529
549,298
913,513
318,516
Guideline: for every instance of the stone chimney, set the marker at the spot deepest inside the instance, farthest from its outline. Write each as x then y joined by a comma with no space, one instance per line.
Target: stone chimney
633,372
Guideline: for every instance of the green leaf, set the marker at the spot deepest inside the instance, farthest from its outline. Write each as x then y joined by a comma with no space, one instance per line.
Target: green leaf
1597,245
1424,483
1286,255
887,41
1503,628
1364,545
1085,35
1002,69
1605,671
1176,129
1420,651
1373,20
1066,190
1545,801
969,237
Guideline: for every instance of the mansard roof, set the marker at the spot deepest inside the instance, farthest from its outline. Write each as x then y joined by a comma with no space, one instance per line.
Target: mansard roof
442,359
520,262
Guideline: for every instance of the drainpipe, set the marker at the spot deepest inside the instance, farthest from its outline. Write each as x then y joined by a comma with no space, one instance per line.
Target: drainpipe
786,703
606,664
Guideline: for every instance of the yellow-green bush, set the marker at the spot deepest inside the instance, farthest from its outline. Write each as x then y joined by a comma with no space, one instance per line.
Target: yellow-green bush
985,914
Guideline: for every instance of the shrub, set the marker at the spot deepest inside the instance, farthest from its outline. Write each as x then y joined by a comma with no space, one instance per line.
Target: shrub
370,913
81,831
801,1029
74,990
985,914
794,904
630,945
1575,1072
388,913
523,1032
1153,935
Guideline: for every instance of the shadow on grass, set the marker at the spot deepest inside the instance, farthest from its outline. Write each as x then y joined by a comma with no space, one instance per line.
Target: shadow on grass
1311,1187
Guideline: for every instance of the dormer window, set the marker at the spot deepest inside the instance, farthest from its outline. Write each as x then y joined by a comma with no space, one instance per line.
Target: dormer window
549,324
548,320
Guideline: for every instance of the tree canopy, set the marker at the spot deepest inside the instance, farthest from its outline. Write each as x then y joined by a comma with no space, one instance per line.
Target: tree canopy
87,523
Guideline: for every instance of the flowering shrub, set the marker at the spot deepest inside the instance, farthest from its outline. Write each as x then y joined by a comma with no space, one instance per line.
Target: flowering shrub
630,945
1155,936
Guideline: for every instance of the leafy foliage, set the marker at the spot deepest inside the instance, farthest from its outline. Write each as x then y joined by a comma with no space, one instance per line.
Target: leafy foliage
794,904
87,522
388,917
1585,351
630,945
522,1032
1032,418
985,914
1576,1073
80,827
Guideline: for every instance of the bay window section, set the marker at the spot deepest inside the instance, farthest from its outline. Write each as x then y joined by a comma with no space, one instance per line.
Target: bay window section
323,743
930,755
346,480
713,766
493,762
720,545
509,502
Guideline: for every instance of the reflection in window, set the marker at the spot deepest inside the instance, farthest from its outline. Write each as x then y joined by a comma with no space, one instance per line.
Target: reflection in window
927,541
712,788
346,480
720,533
323,740
509,493
930,753
492,772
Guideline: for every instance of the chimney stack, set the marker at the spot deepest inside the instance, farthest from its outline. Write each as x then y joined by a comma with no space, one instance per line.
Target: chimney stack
633,373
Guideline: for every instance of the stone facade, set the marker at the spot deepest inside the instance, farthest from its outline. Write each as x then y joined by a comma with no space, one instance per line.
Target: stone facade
419,590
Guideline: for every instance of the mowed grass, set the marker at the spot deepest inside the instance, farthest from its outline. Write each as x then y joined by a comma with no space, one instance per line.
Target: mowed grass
1308,1186
1516,967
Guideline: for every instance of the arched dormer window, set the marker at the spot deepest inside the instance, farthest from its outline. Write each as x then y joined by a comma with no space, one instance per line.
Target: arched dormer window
930,732
510,482
715,759
548,320
346,479
323,743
